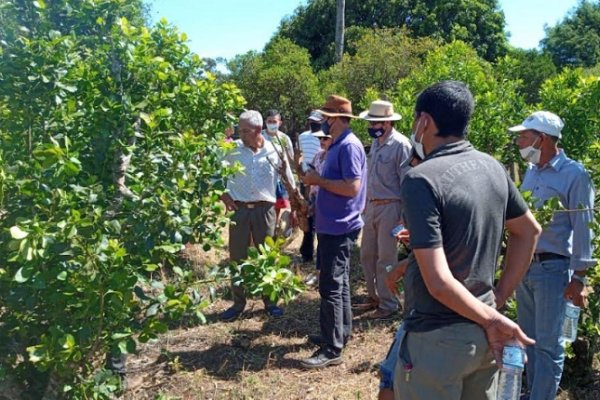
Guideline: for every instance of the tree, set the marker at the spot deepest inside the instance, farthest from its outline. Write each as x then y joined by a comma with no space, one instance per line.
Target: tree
496,100
477,22
109,162
530,67
280,77
576,40
365,68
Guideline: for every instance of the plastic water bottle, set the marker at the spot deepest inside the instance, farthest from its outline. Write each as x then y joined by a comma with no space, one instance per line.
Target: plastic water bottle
569,328
513,361
397,230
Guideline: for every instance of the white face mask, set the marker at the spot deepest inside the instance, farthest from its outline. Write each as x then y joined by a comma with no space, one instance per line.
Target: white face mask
272,128
418,146
531,154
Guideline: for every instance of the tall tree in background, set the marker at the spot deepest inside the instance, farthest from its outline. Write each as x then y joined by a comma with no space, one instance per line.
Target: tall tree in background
339,30
576,40
479,23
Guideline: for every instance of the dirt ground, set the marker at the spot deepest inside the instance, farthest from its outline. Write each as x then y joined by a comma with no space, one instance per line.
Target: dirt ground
257,357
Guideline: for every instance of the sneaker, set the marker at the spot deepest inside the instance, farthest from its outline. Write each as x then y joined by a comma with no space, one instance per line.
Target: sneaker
322,358
312,279
317,340
382,315
230,314
275,311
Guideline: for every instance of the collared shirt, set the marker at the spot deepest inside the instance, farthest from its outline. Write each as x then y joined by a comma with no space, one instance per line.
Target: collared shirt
568,233
387,164
346,160
258,179
309,145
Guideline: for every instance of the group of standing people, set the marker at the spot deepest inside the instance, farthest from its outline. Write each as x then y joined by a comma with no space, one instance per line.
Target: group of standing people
456,205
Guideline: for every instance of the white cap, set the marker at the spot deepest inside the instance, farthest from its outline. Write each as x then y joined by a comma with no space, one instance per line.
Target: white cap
542,121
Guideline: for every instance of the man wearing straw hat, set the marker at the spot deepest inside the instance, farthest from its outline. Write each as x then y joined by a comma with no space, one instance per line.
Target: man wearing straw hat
338,208
387,163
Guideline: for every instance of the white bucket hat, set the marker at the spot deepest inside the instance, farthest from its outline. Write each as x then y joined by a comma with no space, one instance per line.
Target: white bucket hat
380,110
542,121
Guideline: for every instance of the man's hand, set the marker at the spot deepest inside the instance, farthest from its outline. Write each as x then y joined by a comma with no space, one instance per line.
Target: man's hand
392,278
577,293
501,331
403,236
311,177
229,202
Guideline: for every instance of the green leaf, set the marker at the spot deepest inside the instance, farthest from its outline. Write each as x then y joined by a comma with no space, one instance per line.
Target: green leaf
39,4
62,276
17,233
23,274
178,271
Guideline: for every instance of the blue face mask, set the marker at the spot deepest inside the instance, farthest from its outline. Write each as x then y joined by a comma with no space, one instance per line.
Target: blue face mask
325,127
376,132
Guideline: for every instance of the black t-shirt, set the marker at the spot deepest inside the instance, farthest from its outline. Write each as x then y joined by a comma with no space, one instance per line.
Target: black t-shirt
458,199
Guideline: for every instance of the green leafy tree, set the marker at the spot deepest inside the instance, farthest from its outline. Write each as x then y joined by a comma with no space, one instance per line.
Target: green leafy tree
575,41
477,22
280,77
572,95
497,101
109,162
380,58
530,67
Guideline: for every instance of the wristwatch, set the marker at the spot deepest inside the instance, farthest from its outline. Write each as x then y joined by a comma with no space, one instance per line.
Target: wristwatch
581,279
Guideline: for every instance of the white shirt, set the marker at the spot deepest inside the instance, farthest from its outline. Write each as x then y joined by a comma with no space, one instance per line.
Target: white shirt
309,146
283,139
258,179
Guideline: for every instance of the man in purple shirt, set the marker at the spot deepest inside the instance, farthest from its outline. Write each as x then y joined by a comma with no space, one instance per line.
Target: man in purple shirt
340,201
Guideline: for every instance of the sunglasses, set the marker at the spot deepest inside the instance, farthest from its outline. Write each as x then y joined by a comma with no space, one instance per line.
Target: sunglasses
324,138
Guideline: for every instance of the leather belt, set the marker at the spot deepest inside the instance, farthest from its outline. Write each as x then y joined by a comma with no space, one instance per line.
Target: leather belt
253,204
380,202
540,257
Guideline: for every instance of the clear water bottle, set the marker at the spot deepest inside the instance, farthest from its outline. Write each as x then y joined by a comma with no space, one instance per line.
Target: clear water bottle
513,362
569,328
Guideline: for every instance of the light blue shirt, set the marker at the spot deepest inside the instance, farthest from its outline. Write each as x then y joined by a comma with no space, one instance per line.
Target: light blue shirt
569,232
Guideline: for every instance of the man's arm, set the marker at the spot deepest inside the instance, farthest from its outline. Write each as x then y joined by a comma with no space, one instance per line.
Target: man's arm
442,286
523,233
581,196
342,187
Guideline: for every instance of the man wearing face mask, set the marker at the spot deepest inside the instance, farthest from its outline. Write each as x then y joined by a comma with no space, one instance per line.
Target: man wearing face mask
340,201
563,253
283,144
456,204
387,163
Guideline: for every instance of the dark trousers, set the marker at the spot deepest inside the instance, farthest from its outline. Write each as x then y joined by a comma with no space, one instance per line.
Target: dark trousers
334,286
307,248
250,225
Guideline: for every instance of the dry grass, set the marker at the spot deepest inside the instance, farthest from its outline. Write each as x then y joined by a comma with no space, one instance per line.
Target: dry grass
257,357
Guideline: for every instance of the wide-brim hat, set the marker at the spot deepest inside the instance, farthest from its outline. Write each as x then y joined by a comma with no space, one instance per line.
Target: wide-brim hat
380,110
337,106
320,134
541,121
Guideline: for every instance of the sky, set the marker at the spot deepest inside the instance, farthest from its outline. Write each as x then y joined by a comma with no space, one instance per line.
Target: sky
224,28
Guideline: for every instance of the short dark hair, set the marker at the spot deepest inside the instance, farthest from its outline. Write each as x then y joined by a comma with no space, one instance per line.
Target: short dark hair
450,104
273,113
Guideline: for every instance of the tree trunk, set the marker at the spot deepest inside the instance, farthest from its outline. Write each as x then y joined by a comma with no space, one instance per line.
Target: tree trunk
339,30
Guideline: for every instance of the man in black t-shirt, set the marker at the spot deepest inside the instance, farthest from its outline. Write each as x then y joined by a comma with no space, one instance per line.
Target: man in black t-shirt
457,202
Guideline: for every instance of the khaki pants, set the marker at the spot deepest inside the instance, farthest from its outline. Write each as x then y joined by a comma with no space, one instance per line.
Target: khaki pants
379,249
250,225
450,363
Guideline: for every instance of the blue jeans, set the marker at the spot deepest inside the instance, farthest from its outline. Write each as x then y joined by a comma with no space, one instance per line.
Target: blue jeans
540,311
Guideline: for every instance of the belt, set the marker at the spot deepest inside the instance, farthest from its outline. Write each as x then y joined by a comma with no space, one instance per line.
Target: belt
252,204
540,257
380,202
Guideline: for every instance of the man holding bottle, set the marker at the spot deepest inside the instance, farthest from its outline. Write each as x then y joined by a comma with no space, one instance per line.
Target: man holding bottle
563,253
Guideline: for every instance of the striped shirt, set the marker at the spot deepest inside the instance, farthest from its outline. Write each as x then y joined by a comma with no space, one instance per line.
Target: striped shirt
309,146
